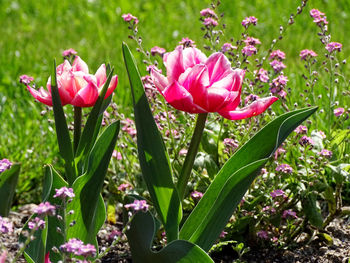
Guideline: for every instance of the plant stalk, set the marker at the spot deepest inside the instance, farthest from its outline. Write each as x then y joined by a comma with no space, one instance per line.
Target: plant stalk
191,154
77,126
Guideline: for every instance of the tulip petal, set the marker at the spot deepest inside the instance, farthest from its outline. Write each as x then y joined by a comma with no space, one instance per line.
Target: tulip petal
218,66
178,97
101,76
256,108
64,67
192,57
159,80
112,86
238,79
87,96
41,95
173,62
80,65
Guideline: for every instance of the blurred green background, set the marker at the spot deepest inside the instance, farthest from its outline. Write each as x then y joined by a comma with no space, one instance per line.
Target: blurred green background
34,32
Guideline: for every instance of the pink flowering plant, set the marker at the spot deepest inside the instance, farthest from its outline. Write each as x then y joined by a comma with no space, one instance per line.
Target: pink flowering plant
86,159
197,84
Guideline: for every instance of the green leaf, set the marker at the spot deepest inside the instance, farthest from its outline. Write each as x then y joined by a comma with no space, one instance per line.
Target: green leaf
92,127
152,153
311,211
206,221
47,238
8,183
140,237
62,132
88,205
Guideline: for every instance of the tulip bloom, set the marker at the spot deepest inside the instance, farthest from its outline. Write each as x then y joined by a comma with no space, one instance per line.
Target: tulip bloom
197,84
75,85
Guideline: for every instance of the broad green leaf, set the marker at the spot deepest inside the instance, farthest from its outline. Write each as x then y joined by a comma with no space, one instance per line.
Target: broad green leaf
47,238
152,153
89,210
8,183
140,237
206,222
311,211
62,132
92,126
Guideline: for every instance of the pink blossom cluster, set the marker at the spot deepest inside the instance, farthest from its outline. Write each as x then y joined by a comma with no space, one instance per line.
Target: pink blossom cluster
64,192
289,214
187,42
78,248
278,84
252,41
249,50
334,46
5,164
130,18
307,53
338,111
45,209
262,234
284,168
210,22
207,12
250,20
69,52
5,226
230,145
24,79
277,54
250,98
227,47
196,195
326,153
124,187
263,75
306,141
128,127
301,129
157,51
278,193
319,17
138,205
280,151
269,209
36,223
117,155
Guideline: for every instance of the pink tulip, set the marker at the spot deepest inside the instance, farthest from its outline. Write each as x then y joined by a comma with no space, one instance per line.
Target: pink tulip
75,85
197,84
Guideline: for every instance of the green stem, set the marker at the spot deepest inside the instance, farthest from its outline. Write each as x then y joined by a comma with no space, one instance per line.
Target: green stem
77,126
191,154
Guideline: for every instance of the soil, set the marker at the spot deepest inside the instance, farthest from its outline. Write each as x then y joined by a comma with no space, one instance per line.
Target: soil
316,251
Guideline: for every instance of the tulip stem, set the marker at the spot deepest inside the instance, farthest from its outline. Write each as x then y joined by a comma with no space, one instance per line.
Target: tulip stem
77,126
191,154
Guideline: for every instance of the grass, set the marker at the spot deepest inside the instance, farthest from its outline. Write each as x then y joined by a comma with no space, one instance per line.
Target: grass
35,32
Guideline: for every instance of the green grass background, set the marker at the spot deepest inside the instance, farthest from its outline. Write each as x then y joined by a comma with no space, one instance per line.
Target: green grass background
34,32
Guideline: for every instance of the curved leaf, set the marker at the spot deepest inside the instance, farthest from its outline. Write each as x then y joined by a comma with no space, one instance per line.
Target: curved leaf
153,156
206,221
89,210
140,237
8,183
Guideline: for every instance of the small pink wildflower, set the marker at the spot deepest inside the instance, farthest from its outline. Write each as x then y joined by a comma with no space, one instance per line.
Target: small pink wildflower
230,145
5,226
207,12
277,193
64,192
157,51
252,41
249,50
250,98
208,21
318,17
338,112
69,52
26,79
289,213
269,209
305,141
251,20
277,65
5,164
277,54
284,168
227,47
78,248
138,205
322,134
87,250
262,234
128,127
307,53
36,223
263,75
117,155
280,151
186,42
196,195
129,18
301,129
124,187
183,152
45,209
325,153
334,46
278,84
223,234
